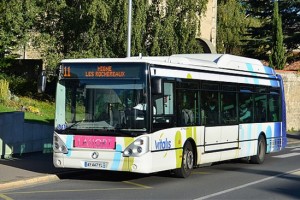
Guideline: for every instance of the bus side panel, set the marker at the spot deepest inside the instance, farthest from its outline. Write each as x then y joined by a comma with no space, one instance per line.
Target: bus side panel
210,157
249,133
167,146
283,112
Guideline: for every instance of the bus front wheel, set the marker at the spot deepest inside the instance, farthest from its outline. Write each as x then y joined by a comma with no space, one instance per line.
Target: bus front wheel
187,162
261,151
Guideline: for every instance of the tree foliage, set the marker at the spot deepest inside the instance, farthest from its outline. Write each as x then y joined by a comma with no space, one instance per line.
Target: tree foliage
277,56
290,14
260,36
232,26
171,28
98,28
16,24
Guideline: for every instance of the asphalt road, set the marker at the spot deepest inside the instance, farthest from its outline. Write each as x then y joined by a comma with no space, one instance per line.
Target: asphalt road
277,178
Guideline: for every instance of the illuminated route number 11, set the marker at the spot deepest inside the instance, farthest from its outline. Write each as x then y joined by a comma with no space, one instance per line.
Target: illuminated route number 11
67,71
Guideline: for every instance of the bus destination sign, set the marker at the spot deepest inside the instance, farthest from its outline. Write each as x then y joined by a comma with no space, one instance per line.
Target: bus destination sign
100,71
105,71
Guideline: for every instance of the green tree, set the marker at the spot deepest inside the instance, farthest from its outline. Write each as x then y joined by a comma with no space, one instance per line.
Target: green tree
172,27
232,24
16,23
98,28
260,34
72,29
277,57
290,16
152,29
50,37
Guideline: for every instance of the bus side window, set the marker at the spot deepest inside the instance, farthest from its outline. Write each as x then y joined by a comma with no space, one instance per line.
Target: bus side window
260,108
164,104
245,108
168,98
187,107
158,104
228,108
211,107
273,108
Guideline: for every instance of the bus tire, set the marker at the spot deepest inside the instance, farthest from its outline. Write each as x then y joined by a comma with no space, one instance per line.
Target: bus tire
187,162
261,151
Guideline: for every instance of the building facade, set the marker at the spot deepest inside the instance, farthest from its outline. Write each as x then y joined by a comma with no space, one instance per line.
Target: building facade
208,29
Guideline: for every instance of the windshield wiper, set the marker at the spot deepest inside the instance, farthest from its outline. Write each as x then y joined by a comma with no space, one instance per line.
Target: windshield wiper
70,127
75,124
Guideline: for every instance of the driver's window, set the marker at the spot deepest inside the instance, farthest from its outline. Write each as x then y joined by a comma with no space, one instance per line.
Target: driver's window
164,105
168,98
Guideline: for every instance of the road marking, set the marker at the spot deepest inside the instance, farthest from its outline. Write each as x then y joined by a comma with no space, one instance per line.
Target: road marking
297,171
296,149
137,184
139,187
293,147
202,173
287,155
2,196
82,190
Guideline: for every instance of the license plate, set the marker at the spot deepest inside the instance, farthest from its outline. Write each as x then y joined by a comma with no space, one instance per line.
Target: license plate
97,165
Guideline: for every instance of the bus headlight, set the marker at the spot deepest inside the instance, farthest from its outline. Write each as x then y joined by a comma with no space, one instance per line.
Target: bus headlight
58,145
139,147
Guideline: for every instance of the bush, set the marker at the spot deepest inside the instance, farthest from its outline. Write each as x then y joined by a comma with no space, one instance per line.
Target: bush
4,91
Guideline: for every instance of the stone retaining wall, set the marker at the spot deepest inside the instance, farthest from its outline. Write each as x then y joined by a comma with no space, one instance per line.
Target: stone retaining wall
292,96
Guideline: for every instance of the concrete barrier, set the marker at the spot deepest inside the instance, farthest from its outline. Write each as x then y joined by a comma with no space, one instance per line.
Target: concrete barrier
18,137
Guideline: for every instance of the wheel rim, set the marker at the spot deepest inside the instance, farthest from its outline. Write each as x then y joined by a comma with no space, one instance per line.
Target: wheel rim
189,160
261,150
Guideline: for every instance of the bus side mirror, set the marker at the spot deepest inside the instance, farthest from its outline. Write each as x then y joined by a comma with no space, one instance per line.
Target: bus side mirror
42,79
156,85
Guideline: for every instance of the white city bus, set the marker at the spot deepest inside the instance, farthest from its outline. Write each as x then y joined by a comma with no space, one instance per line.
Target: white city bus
151,114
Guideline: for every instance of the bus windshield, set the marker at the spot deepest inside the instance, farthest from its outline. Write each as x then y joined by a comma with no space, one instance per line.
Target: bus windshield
100,104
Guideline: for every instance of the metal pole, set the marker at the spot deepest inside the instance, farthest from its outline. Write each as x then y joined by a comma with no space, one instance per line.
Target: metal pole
129,29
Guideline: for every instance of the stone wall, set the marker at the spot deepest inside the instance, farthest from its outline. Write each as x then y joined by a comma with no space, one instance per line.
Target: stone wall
292,96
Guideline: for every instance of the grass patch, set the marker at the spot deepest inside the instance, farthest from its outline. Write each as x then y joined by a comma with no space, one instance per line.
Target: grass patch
34,110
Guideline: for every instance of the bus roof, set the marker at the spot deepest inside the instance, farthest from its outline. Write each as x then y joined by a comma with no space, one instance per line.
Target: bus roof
222,61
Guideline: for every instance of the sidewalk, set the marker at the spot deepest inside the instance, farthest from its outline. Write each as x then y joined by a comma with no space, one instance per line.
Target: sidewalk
37,168
293,139
28,169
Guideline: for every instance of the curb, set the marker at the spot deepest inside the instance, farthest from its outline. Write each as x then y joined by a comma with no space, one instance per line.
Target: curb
29,181
37,180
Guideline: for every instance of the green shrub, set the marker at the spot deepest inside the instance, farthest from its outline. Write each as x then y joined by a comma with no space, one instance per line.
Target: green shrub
21,86
4,91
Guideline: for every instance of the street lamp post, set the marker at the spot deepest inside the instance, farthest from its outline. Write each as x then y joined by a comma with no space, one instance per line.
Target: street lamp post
129,29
